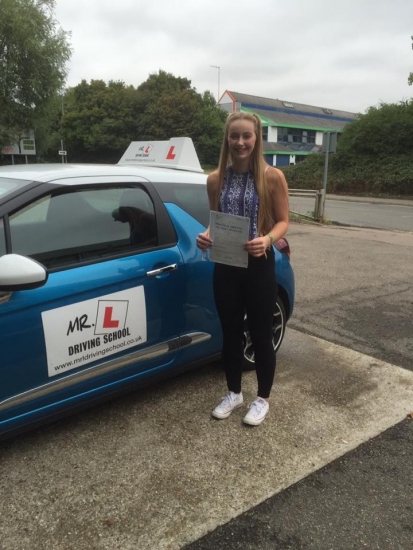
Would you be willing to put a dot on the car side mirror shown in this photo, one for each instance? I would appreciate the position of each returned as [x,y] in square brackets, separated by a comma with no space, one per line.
[21,273]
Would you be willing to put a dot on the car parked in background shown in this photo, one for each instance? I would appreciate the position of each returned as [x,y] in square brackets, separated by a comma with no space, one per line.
[102,287]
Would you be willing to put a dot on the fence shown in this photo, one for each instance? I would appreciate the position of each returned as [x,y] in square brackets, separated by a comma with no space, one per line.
[317,194]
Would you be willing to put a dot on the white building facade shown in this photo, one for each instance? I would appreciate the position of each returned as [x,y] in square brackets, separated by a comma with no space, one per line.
[291,131]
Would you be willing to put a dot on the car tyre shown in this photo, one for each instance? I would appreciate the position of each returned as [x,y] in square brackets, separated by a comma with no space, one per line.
[279,324]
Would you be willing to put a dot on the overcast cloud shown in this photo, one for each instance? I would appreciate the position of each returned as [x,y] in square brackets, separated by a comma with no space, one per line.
[342,55]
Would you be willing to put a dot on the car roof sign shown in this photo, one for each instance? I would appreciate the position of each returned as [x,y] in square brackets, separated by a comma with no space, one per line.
[176,153]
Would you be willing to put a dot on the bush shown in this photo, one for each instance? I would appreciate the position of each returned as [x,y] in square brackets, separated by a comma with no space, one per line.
[355,174]
[373,156]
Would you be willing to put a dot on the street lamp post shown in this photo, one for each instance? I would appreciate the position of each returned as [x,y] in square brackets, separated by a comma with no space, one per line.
[62,149]
[219,71]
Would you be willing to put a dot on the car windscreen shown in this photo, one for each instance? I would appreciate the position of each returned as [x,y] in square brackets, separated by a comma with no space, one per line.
[7,186]
[192,198]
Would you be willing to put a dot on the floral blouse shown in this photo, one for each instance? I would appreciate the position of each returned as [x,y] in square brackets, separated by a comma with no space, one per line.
[239,197]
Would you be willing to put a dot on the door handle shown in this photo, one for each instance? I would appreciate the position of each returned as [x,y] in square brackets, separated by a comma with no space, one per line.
[5,297]
[162,270]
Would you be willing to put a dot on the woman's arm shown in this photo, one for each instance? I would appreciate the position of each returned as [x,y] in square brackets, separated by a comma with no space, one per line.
[279,192]
[203,240]
[279,195]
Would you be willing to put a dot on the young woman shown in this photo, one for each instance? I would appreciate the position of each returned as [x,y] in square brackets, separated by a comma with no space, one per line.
[245,185]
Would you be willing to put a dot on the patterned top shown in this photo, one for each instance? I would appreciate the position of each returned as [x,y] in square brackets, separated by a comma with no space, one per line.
[240,198]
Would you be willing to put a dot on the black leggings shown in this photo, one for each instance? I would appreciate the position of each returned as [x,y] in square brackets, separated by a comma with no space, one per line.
[251,290]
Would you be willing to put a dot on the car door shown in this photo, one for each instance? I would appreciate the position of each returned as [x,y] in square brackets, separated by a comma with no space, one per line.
[111,309]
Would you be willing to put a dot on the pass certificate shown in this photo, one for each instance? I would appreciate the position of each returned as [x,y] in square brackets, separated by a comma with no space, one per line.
[229,233]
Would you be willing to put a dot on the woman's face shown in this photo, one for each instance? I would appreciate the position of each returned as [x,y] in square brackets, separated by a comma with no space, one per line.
[241,139]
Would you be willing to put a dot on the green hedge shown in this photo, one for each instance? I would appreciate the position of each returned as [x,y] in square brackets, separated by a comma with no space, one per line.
[379,175]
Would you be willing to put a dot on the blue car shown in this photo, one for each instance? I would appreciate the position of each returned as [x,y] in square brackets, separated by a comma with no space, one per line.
[102,288]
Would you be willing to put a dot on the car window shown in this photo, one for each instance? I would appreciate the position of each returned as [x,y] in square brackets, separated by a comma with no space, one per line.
[2,238]
[86,224]
[9,185]
[30,214]
[192,198]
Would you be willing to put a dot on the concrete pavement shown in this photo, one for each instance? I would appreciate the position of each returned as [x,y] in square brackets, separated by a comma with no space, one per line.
[154,470]
[362,500]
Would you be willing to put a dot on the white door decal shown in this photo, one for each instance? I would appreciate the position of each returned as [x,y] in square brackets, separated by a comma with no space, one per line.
[90,330]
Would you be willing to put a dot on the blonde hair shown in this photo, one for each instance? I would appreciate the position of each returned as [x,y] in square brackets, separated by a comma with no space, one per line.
[257,167]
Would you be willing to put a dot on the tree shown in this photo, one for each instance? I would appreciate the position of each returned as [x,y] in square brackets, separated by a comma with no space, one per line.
[373,156]
[383,130]
[99,121]
[410,79]
[33,54]
[208,138]
[170,107]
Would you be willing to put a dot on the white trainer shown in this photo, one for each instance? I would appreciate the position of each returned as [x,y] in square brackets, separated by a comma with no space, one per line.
[229,403]
[257,412]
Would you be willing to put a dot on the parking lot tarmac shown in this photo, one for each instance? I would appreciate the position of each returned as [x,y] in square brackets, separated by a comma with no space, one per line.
[354,287]
[154,470]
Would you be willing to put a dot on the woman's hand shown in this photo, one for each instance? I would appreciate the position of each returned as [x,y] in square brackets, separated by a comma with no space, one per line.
[258,246]
[203,241]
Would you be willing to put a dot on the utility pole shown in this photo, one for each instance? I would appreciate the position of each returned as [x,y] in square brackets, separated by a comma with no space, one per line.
[219,71]
[329,146]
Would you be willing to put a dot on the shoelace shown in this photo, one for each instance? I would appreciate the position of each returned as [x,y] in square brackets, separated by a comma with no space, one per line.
[226,400]
[256,407]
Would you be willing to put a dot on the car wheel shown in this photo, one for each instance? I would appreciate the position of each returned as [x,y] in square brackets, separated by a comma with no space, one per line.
[278,330]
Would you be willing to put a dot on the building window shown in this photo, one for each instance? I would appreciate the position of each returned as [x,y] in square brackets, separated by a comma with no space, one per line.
[295,135]
[265,133]
[300,158]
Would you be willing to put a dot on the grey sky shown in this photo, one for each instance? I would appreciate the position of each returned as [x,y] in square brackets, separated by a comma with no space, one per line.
[343,55]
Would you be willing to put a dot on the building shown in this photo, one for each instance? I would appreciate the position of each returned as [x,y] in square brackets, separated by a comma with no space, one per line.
[291,131]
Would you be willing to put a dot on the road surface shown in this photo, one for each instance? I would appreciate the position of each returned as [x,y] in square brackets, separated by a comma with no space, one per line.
[359,212]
